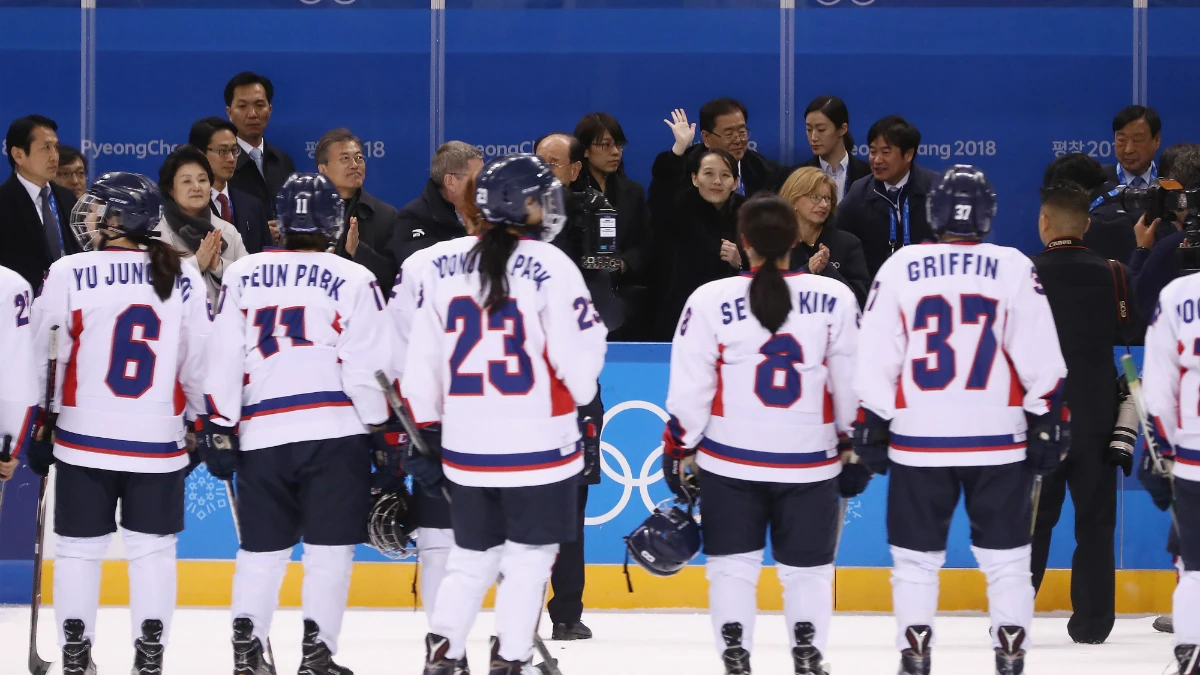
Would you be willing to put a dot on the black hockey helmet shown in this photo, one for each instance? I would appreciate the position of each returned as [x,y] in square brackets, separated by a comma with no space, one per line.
[390,525]
[118,204]
[666,542]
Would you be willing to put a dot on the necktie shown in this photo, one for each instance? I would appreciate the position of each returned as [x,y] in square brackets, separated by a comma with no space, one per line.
[894,195]
[741,187]
[256,155]
[226,214]
[50,225]
[1138,183]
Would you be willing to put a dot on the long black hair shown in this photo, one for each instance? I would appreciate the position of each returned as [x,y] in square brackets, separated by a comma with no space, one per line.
[835,109]
[166,263]
[767,223]
[496,245]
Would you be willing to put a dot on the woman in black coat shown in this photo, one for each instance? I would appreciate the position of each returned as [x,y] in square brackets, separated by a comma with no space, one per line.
[823,248]
[698,232]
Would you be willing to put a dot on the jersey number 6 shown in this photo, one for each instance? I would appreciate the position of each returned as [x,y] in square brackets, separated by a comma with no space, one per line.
[131,366]
[507,320]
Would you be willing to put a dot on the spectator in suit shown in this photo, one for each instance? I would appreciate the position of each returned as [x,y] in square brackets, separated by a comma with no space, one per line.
[34,211]
[603,143]
[1111,233]
[827,125]
[72,170]
[1154,262]
[699,230]
[1137,134]
[370,223]
[205,240]
[261,167]
[437,214]
[823,248]
[886,210]
[218,139]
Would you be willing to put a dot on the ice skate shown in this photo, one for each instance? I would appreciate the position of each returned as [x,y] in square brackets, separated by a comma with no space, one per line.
[916,659]
[1188,657]
[436,662]
[316,658]
[1010,657]
[500,666]
[77,652]
[736,658]
[806,657]
[148,649]
[248,651]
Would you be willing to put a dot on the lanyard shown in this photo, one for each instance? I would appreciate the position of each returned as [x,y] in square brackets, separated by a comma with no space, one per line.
[892,222]
[1124,178]
[1104,197]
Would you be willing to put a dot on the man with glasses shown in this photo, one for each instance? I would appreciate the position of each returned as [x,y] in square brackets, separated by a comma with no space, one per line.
[217,139]
[370,223]
[72,170]
[436,215]
[261,167]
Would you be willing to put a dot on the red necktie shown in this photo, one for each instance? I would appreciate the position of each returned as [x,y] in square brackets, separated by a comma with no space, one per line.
[226,214]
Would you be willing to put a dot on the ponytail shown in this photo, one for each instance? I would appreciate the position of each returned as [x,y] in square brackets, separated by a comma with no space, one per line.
[848,141]
[768,225]
[494,249]
[165,264]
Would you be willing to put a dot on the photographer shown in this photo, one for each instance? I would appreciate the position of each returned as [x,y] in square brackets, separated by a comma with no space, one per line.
[1090,298]
[1156,261]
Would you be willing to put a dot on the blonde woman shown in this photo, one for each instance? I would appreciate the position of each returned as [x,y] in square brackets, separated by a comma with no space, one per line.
[823,248]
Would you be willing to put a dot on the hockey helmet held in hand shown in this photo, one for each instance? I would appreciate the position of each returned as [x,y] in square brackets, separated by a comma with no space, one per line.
[391,524]
[666,542]
[504,185]
[117,204]
[962,204]
[308,203]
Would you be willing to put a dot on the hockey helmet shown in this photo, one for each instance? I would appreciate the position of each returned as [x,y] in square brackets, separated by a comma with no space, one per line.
[308,203]
[666,542]
[390,526]
[118,204]
[962,204]
[504,184]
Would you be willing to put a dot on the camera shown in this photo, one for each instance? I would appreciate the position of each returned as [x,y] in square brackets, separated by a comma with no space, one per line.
[597,223]
[1161,200]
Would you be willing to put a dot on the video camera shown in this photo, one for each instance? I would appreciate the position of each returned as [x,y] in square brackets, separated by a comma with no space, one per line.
[597,221]
[1163,199]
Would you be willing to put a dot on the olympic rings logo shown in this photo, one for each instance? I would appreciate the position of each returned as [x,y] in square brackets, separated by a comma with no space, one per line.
[860,3]
[650,472]
[340,2]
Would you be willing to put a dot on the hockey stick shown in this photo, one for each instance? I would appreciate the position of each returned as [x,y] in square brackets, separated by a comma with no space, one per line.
[36,665]
[5,456]
[1161,466]
[841,524]
[237,529]
[414,435]
[1037,500]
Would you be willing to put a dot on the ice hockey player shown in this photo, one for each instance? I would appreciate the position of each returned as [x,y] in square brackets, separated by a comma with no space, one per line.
[297,337]
[959,372]
[761,384]
[18,396]
[1171,380]
[132,320]
[504,346]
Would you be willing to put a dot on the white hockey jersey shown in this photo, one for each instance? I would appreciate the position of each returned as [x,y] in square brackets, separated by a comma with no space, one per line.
[958,343]
[759,406]
[406,297]
[297,338]
[129,364]
[1171,372]
[505,386]
[19,393]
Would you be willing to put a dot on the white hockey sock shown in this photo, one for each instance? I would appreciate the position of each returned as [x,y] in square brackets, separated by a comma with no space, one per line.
[77,582]
[326,589]
[520,596]
[914,590]
[1010,589]
[1187,608]
[151,579]
[807,596]
[433,548]
[469,574]
[256,582]
[733,594]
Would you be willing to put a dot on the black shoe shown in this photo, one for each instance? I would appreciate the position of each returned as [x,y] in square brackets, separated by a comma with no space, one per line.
[436,662]
[248,651]
[77,652]
[500,666]
[1164,624]
[571,631]
[148,649]
[316,659]
[805,657]
[461,667]
[917,658]
[1188,657]
[1010,657]
[736,658]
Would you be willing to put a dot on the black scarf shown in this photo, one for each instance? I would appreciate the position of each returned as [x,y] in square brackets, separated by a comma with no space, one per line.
[190,229]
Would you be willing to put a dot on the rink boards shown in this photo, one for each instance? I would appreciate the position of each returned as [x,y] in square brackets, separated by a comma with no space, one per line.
[634,386]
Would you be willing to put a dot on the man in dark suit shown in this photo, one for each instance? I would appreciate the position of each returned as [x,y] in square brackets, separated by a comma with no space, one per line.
[1137,134]
[35,213]
[434,216]
[886,210]
[370,223]
[261,167]
[217,139]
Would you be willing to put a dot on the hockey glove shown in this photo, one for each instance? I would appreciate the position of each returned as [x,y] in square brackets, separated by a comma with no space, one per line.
[41,447]
[679,468]
[426,470]
[589,441]
[870,441]
[1047,441]
[1157,484]
[387,453]
[218,447]
[854,476]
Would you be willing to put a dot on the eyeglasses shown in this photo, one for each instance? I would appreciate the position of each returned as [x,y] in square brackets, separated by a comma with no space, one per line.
[235,151]
[552,164]
[351,160]
[741,133]
[609,146]
[819,199]
[78,174]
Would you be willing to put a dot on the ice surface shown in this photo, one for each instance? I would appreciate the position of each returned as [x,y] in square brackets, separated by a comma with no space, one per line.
[390,642]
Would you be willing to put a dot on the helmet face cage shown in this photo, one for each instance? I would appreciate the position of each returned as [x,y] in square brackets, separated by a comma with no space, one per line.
[388,530]
[89,222]
[666,542]
[554,211]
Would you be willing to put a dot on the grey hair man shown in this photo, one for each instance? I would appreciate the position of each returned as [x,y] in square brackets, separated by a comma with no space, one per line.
[437,215]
